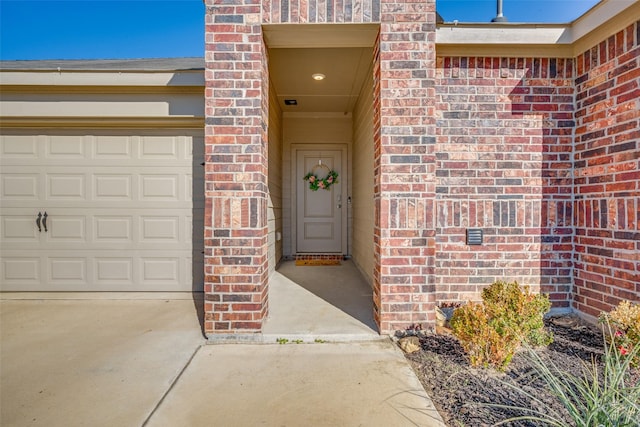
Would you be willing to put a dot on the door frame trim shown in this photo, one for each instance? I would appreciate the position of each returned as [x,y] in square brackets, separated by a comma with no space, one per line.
[344,148]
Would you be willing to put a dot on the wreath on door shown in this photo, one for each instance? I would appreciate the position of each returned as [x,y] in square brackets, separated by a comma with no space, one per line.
[315,182]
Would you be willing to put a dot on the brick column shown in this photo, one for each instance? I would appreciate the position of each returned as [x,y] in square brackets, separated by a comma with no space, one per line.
[405,166]
[236,252]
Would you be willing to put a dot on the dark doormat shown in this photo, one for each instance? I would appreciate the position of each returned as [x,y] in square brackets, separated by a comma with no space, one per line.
[305,262]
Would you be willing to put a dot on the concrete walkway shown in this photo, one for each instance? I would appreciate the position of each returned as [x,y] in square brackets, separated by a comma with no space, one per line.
[136,362]
[327,302]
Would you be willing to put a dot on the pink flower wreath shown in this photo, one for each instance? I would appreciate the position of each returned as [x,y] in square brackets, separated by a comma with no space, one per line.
[315,182]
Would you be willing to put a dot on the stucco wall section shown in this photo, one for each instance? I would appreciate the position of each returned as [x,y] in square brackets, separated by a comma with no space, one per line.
[607,173]
[86,103]
[504,135]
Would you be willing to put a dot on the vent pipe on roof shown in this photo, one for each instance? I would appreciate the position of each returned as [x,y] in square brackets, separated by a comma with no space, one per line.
[499,17]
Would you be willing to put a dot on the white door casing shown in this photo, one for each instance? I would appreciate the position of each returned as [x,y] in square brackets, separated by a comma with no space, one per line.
[119,207]
[320,215]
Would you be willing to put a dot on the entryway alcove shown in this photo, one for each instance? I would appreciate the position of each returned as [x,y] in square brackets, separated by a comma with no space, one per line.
[321,120]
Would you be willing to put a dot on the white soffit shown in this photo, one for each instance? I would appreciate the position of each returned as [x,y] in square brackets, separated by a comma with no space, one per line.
[320,35]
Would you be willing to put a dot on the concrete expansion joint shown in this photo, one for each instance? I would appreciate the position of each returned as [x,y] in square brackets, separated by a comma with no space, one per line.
[171,387]
[215,339]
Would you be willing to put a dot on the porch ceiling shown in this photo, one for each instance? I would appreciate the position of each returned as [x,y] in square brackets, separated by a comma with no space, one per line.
[342,52]
[345,69]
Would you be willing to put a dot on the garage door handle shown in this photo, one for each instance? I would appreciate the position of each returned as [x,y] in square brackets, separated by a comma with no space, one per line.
[44,221]
[38,222]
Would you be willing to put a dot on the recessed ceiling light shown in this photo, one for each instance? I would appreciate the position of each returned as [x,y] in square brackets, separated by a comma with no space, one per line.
[290,102]
[318,76]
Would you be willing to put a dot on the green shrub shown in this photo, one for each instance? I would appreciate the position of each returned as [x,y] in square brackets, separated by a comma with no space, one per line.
[483,343]
[520,310]
[508,316]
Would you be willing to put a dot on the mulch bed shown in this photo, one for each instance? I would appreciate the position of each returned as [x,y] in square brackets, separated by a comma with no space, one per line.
[458,390]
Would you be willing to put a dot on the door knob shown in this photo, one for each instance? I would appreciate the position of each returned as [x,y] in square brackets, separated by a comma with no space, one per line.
[38,222]
[44,221]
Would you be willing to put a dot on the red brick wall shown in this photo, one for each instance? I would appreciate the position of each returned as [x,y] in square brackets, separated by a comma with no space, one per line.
[404,166]
[377,297]
[236,149]
[460,142]
[607,173]
[504,144]
[236,97]
[320,11]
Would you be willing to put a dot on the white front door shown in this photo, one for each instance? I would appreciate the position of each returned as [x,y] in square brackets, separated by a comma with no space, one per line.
[319,213]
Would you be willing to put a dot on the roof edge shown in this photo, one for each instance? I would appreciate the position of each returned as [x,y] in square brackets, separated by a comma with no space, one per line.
[143,65]
[598,23]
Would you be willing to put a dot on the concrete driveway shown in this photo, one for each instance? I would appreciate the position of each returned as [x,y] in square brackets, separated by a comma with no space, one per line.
[91,362]
[136,362]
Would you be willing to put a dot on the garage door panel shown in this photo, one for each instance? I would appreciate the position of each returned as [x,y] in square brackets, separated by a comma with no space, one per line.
[119,212]
[19,147]
[72,270]
[21,271]
[159,187]
[67,228]
[153,147]
[65,147]
[18,229]
[111,271]
[142,185]
[113,186]
[112,150]
[163,269]
[188,186]
[19,186]
[160,228]
[65,186]
[67,270]
[110,229]
[112,147]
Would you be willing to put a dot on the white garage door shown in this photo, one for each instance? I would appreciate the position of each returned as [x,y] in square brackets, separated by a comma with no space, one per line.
[101,211]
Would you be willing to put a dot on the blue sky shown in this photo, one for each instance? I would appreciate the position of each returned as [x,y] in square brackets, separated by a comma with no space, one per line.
[99,29]
[550,11]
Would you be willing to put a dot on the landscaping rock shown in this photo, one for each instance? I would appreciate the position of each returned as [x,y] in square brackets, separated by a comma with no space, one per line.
[409,344]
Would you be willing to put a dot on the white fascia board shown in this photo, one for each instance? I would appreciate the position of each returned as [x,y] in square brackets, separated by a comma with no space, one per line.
[101,78]
[598,15]
[474,34]
[593,24]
